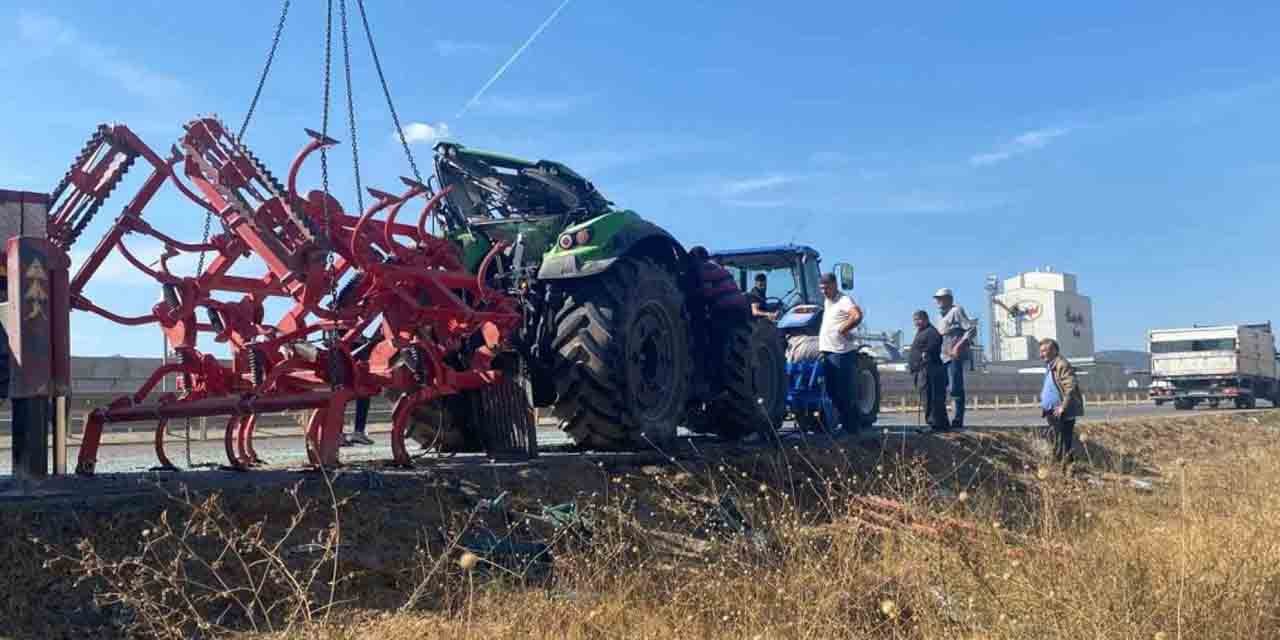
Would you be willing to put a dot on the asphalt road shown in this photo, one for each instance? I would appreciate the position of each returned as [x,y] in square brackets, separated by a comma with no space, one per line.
[289,451]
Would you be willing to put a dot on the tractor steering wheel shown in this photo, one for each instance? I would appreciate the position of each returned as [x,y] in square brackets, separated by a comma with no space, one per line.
[776,305]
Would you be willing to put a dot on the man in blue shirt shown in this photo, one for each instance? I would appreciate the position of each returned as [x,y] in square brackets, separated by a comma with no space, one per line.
[1061,401]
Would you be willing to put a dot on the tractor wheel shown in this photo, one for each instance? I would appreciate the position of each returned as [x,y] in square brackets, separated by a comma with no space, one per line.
[496,419]
[441,426]
[866,391]
[753,365]
[622,357]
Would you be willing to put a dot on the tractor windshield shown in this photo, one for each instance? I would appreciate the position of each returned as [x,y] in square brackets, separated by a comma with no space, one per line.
[791,276]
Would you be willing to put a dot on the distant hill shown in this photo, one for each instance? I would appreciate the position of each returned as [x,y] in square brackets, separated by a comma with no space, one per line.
[1130,360]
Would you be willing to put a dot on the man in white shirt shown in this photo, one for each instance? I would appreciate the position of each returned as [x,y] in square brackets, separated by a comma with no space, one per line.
[840,316]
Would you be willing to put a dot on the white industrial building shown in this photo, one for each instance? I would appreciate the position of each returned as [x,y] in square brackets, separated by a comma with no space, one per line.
[1036,305]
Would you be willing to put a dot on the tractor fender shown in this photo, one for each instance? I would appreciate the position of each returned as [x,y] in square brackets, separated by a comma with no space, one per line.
[612,236]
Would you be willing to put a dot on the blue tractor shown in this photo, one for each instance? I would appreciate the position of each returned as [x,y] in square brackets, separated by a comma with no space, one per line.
[794,270]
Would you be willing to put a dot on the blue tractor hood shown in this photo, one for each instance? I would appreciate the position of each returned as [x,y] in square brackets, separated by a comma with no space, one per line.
[804,318]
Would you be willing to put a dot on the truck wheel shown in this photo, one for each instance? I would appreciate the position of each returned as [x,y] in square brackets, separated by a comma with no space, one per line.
[1183,405]
[753,365]
[496,419]
[866,391]
[622,357]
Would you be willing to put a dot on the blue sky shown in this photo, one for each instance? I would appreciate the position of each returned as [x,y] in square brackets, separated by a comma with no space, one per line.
[1135,145]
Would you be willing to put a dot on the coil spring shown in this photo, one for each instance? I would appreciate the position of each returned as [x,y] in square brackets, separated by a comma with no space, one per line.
[337,372]
[257,362]
[215,321]
[413,358]
[171,295]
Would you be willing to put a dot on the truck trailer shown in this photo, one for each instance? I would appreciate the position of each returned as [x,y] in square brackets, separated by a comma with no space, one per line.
[1215,365]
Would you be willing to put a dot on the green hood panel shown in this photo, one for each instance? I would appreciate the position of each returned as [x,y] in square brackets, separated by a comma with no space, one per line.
[613,235]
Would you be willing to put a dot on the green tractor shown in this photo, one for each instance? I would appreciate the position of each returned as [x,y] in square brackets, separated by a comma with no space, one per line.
[626,335]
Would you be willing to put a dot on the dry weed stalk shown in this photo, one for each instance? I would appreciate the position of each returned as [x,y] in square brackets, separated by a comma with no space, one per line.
[199,571]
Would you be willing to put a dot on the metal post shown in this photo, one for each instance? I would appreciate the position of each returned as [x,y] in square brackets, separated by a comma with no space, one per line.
[61,427]
[31,437]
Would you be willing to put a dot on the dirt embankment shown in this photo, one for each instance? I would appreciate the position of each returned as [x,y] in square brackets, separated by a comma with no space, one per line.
[967,535]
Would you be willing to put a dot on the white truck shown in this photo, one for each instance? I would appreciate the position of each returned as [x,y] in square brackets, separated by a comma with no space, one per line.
[1214,365]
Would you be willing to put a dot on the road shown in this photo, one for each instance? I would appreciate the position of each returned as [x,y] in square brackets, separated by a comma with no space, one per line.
[289,451]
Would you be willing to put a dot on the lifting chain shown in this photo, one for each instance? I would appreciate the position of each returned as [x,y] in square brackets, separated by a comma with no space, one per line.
[336,379]
[351,110]
[248,116]
[386,92]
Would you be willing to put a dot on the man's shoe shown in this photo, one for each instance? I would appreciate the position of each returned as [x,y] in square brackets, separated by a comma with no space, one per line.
[359,438]
[345,441]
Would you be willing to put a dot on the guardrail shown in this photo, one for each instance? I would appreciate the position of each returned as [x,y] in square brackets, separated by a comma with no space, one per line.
[380,414]
[898,403]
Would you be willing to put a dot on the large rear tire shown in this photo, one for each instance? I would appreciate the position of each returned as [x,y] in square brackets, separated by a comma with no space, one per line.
[622,357]
[753,365]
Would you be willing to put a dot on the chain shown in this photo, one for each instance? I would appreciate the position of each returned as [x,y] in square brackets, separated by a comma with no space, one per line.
[248,116]
[324,153]
[386,92]
[351,109]
[266,69]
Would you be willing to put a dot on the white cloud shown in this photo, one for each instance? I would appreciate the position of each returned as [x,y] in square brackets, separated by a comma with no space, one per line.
[752,185]
[1021,144]
[48,35]
[423,133]
[450,48]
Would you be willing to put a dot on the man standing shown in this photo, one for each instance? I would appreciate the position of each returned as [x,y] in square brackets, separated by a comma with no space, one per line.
[926,359]
[958,332]
[840,316]
[1060,399]
[758,296]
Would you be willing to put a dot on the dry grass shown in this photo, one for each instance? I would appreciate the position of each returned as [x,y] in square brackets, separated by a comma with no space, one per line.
[987,545]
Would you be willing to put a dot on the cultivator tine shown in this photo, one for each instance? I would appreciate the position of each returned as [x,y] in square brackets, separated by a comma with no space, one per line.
[232,444]
[95,173]
[161,457]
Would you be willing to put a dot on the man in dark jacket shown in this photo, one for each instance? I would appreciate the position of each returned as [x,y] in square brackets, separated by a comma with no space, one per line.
[926,364]
[1061,400]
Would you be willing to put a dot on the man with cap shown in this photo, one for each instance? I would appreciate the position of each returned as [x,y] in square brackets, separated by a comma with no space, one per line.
[958,333]
[840,316]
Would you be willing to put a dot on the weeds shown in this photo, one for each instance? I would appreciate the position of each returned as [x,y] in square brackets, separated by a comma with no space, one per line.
[803,543]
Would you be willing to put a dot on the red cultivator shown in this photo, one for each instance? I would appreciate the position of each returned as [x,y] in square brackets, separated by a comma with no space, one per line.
[438,330]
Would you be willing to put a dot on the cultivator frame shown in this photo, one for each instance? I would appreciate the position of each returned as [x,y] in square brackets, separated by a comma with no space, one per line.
[440,329]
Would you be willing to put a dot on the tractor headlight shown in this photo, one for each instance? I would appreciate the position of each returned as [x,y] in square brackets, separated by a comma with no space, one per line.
[566,242]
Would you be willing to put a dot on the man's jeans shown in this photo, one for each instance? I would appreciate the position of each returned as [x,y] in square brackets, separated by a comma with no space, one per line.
[838,370]
[955,382]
